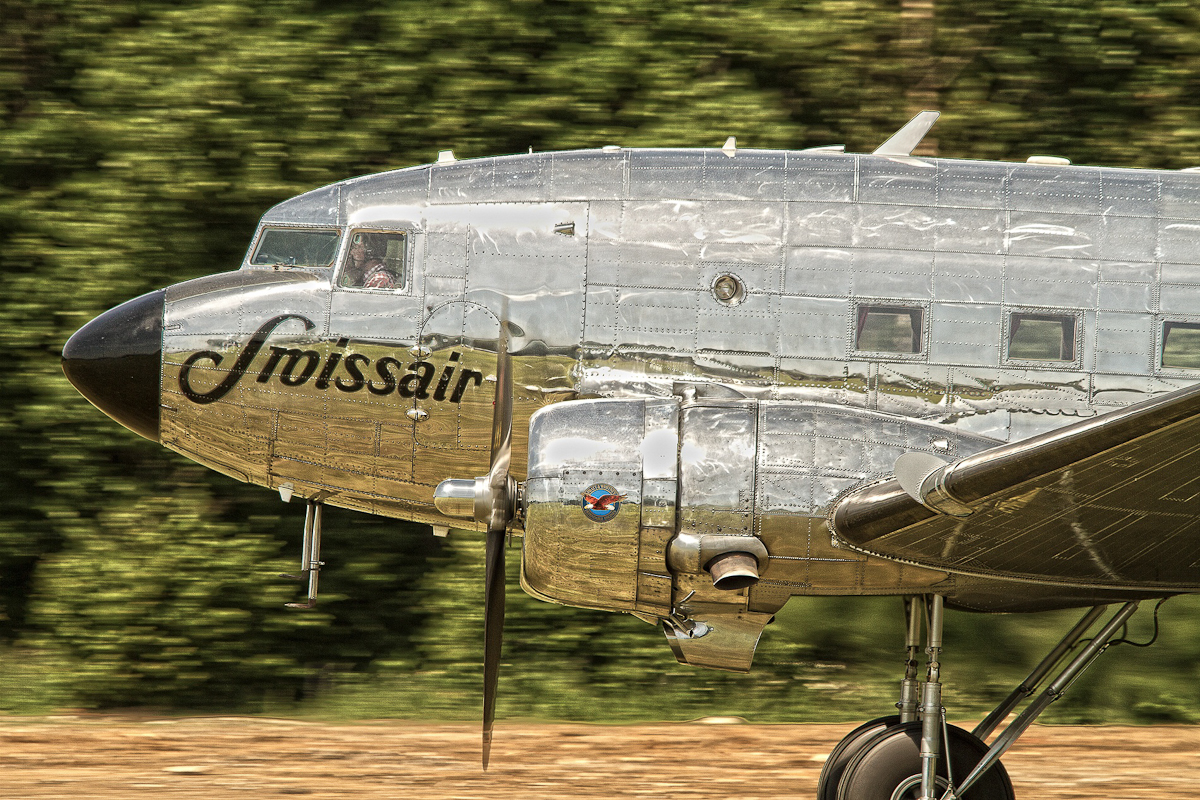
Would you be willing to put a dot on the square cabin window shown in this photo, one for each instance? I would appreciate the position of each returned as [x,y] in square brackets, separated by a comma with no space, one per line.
[889,329]
[375,260]
[1181,345]
[1041,337]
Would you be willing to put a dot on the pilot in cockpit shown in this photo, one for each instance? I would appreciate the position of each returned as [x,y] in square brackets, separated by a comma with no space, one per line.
[364,267]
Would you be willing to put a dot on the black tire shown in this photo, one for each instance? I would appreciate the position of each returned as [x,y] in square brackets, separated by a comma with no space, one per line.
[892,758]
[845,751]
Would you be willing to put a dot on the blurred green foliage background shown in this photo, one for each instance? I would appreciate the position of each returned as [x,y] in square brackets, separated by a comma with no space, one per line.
[141,140]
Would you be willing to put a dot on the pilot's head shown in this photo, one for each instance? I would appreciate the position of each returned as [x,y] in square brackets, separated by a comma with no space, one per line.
[360,248]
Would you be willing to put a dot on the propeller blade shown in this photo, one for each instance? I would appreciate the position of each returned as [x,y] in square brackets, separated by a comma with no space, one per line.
[501,432]
[493,629]
[502,491]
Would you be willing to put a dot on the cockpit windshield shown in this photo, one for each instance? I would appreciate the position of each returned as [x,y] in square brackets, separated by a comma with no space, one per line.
[296,247]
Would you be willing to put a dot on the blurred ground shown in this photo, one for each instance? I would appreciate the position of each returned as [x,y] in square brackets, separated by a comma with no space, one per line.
[227,757]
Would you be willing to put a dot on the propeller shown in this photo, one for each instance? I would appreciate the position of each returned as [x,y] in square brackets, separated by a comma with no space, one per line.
[502,495]
[491,500]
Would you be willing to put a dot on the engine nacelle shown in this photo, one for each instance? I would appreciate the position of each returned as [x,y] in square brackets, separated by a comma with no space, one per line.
[647,506]
[600,504]
[706,513]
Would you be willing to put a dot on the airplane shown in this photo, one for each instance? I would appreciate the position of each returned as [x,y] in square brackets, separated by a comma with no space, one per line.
[696,383]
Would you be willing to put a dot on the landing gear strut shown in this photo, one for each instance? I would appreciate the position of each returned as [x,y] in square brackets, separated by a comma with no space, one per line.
[310,554]
[916,755]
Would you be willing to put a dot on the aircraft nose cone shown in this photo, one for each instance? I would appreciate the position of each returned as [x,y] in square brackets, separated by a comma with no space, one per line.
[115,361]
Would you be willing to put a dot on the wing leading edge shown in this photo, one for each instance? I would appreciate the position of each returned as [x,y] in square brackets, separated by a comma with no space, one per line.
[1112,501]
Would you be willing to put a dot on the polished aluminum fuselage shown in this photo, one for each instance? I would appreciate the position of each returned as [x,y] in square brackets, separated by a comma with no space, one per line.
[604,263]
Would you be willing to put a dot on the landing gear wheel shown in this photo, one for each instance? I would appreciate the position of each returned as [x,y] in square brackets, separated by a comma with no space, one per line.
[888,767]
[845,751]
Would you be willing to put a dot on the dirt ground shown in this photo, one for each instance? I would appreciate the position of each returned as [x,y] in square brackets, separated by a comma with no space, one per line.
[226,757]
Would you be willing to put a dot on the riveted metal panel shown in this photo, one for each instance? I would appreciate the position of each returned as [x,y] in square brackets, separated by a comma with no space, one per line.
[1125,297]
[659,449]
[966,184]
[1179,299]
[646,317]
[964,333]
[825,178]
[818,271]
[522,178]
[654,591]
[1070,189]
[320,207]
[716,468]
[657,174]
[1129,238]
[1129,271]
[587,175]
[404,188]
[462,182]
[657,220]
[894,274]
[970,230]
[821,224]
[748,174]
[1121,341]
[1178,240]
[1050,282]
[658,503]
[1181,274]
[1054,235]
[895,227]
[812,327]
[742,222]
[749,326]
[898,181]
[1179,197]
[1130,193]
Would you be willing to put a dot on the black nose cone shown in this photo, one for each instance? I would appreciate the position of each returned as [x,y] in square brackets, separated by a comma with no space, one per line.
[115,361]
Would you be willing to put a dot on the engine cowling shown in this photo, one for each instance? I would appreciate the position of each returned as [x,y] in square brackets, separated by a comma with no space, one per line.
[647,506]
[600,504]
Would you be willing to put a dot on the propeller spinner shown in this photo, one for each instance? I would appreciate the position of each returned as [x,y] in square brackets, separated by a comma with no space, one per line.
[492,500]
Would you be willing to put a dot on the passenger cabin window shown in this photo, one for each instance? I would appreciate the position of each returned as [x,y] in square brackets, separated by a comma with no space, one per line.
[889,329]
[1181,345]
[296,247]
[1041,337]
[375,260]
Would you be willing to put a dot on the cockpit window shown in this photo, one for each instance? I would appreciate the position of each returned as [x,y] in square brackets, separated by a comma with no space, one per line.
[375,260]
[296,247]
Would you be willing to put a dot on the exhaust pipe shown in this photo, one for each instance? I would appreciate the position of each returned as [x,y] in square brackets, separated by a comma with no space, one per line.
[733,561]
[732,571]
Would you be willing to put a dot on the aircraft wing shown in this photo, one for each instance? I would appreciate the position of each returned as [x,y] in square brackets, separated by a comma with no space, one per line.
[1112,501]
